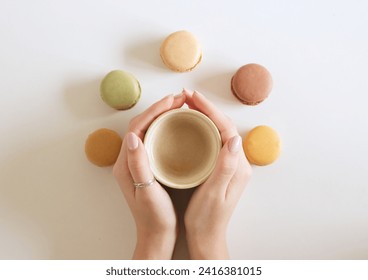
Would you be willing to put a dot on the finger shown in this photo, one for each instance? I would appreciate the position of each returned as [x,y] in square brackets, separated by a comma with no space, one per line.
[226,128]
[122,174]
[138,163]
[239,180]
[140,124]
[226,166]
[179,100]
[189,99]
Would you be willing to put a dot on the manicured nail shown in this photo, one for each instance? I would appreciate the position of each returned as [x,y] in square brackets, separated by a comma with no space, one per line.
[198,93]
[132,141]
[187,92]
[178,95]
[167,96]
[234,144]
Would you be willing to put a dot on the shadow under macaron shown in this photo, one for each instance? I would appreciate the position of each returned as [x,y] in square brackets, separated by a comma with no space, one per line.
[84,100]
[218,87]
[145,54]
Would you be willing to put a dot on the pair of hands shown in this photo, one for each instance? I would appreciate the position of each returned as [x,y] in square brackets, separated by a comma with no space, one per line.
[212,203]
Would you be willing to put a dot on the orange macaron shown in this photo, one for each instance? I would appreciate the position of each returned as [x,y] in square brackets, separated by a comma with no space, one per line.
[102,147]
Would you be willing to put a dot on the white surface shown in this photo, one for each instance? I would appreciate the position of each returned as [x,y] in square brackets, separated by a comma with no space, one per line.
[311,204]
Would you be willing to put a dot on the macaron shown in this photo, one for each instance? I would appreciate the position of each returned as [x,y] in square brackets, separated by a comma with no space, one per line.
[181,51]
[120,90]
[262,145]
[102,147]
[251,84]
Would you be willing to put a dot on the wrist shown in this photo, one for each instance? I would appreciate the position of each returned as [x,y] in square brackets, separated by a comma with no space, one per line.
[207,247]
[155,245]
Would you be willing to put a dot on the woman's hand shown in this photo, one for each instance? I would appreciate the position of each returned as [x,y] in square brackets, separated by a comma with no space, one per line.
[212,204]
[151,206]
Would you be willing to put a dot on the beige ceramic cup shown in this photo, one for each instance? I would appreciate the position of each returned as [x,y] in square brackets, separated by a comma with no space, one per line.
[182,147]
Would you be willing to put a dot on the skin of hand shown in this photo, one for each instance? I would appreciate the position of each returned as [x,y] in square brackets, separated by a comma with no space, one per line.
[152,209]
[212,203]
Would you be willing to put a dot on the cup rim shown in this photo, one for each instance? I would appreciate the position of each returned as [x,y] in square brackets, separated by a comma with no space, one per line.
[148,139]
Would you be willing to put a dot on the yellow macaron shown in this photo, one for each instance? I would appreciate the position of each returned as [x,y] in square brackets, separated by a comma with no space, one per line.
[262,145]
[181,51]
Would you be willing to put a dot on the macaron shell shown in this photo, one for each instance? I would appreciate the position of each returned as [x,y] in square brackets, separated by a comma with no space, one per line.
[251,84]
[181,51]
[120,90]
[262,145]
[102,147]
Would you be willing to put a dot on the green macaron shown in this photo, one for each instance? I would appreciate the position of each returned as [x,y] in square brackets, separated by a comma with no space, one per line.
[120,90]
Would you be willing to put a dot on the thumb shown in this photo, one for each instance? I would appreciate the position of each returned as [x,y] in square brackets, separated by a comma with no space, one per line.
[226,165]
[138,163]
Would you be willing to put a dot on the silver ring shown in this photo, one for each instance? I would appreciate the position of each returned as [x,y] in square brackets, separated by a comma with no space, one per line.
[145,184]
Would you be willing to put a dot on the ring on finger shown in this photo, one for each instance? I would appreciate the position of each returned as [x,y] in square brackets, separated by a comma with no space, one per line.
[144,184]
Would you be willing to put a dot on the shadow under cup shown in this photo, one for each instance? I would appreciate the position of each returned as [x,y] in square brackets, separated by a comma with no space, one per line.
[182,147]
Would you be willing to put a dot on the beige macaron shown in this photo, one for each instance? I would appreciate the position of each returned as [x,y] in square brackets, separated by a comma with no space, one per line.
[181,51]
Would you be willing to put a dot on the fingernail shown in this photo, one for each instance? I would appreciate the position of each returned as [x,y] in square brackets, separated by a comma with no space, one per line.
[167,96]
[235,144]
[178,95]
[196,92]
[132,141]
[187,92]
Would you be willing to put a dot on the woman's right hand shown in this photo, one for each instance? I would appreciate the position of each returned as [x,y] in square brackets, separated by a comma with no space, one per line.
[151,206]
[212,204]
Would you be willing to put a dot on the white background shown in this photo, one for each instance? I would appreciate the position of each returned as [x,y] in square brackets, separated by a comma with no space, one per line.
[311,204]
